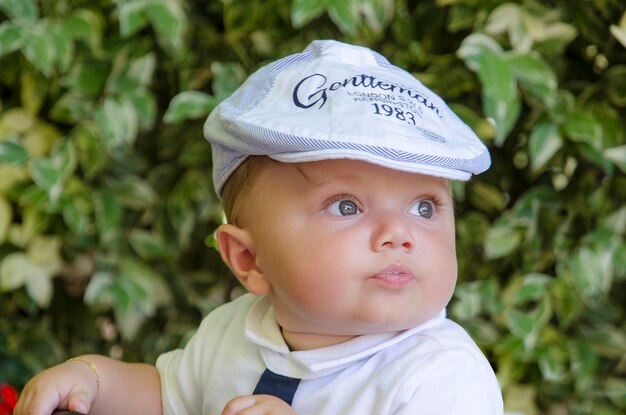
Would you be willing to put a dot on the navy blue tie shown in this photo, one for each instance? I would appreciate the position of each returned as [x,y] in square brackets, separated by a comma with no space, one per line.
[282,387]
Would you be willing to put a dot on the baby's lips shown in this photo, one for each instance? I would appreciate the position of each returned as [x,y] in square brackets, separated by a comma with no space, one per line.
[395,269]
[394,276]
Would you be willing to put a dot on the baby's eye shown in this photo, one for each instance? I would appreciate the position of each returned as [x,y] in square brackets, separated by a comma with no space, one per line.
[344,207]
[423,208]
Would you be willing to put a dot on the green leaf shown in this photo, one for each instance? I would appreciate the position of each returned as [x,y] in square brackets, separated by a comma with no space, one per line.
[616,84]
[617,155]
[133,17]
[565,104]
[526,325]
[39,49]
[584,364]
[551,365]
[467,303]
[145,104]
[619,33]
[616,391]
[97,291]
[71,108]
[35,196]
[149,281]
[192,189]
[133,295]
[345,14]
[551,35]
[521,324]
[91,149]
[141,69]
[475,46]
[34,91]
[18,269]
[11,38]
[486,197]
[63,47]
[51,173]
[510,18]
[501,101]
[566,302]
[478,124]
[583,127]
[226,78]
[133,192]
[616,221]
[118,122]
[595,156]
[544,142]
[377,13]
[85,25]
[16,120]
[12,152]
[606,340]
[20,9]
[592,271]
[534,287]
[34,221]
[108,218]
[471,228]
[303,11]
[535,75]
[86,79]
[460,18]
[128,296]
[170,23]
[47,176]
[40,289]
[501,241]
[502,18]
[147,244]
[6,217]
[77,220]
[189,104]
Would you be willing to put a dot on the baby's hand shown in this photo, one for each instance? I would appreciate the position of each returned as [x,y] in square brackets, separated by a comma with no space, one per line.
[70,385]
[257,405]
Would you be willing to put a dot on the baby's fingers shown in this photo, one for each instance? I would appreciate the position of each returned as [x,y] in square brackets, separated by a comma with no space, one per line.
[41,398]
[257,405]
[235,406]
[78,401]
[33,403]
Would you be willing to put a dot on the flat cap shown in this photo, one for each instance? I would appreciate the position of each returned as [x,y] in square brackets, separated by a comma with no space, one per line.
[334,100]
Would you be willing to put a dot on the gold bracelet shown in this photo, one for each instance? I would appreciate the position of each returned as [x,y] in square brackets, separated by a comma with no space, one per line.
[93,368]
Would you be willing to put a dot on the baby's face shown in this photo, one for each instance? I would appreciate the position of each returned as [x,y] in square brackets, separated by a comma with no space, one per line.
[352,248]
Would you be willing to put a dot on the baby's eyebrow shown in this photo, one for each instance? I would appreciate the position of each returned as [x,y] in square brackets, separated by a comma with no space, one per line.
[323,179]
[319,180]
[445,184]
[304,175]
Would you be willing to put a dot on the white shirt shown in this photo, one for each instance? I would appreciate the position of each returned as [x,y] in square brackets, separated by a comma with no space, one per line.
[431,369]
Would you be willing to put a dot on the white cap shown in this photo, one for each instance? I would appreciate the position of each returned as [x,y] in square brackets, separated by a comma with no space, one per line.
[335,100]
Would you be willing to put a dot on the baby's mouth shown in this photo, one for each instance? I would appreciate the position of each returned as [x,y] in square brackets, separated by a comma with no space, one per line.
[394,276]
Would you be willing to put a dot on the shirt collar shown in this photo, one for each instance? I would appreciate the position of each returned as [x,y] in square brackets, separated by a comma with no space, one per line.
[262,329]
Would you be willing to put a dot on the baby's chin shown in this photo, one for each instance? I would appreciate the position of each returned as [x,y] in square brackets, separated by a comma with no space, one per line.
[361,329]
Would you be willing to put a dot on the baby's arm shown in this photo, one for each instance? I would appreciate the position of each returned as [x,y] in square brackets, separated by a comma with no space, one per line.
[258,405]
[119,388]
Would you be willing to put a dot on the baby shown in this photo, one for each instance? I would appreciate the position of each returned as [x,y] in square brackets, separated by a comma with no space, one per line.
[334,168]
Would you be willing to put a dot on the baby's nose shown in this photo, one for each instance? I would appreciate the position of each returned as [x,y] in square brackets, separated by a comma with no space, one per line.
[392,233]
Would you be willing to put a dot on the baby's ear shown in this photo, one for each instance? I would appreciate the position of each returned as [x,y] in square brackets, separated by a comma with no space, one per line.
[237,250]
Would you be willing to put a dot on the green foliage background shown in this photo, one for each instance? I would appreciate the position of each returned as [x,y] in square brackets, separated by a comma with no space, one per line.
[106,202]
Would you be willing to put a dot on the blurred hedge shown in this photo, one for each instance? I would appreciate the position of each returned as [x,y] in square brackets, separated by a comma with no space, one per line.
[107,209]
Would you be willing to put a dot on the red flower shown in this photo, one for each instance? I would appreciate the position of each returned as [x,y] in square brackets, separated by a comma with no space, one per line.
[8,399]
